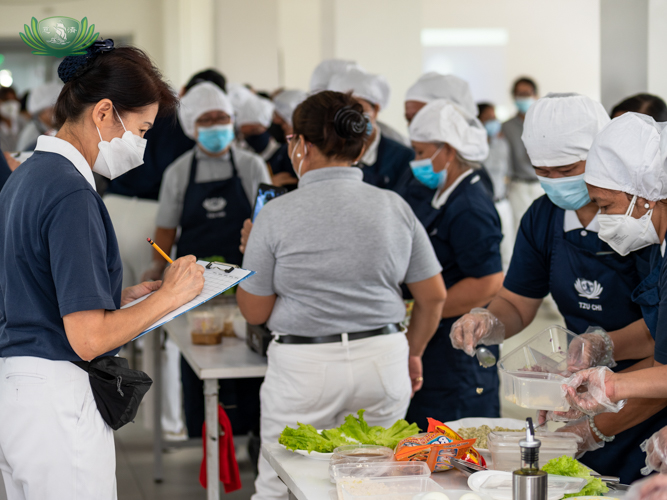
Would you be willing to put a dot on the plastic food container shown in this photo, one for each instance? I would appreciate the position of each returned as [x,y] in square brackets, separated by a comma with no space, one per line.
[206,325]
[531,375]
[359,454]
[379,469]
[506,454]
[385,488]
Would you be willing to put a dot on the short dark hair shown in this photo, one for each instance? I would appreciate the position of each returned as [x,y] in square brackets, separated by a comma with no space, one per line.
[334,122]
[527,81]
[483,106]
[5,91]
[208,75]
[647,104]
[125,75]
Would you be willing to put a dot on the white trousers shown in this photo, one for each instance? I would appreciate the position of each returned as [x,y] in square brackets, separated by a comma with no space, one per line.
[521,196]
[133,221]
[504,209]
[54,444]
[321,384]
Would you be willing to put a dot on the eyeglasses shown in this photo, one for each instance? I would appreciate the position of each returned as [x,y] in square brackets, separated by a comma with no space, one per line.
[289,137]
[209,122]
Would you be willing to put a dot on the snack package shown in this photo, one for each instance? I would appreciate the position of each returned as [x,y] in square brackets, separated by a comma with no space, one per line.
[436,447]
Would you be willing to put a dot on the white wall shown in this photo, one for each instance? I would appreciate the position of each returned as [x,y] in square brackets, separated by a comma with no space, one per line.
[555,42]
[139,20]
[657,41]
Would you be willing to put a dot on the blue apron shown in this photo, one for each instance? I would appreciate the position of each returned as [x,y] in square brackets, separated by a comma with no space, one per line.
[455,385]
[211,222]
[647,293]
[594,289]
[213,215]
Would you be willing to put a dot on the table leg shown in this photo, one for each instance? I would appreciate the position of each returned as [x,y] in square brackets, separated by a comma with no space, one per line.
[212,436]
[158,470]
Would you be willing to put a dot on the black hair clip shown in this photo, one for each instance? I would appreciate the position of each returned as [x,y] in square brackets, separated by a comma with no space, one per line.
[75,66]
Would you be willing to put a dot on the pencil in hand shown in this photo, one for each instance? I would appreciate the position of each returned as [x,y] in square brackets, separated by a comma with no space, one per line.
[159,250]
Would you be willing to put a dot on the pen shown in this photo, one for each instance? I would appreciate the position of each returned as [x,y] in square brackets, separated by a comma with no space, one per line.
[160,251]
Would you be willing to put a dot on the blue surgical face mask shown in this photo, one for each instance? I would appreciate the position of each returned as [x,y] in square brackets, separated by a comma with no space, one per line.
[523,103]
[216,138]
[493,127]
[568,193]
[369,124]
[424,173]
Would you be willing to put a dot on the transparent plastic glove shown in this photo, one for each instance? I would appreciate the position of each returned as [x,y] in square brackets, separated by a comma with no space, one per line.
[544,416]
[593,400]
[650,488]
[479,326]
[582,429]
[592,348]
[656,452]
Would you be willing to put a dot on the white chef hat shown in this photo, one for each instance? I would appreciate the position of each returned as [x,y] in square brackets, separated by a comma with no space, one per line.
[372,88]
[255,109]
[200,99]
[324,71]
[42,97]
[445,121]
[432,86]
[629,155]
[559,129]
[287,101]
[238,94]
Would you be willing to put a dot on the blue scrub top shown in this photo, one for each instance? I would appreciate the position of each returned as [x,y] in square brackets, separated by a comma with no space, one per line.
[531,273]
[661,331]
[58,255]
[4,170]
[391,165]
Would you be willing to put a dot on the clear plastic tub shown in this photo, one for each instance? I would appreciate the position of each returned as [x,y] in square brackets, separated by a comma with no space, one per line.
[207,324]
[531,375]
[385,488]
[379,469]
[359,454]
[506,453]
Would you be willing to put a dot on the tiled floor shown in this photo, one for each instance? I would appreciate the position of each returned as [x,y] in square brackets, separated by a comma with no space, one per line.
[134,451]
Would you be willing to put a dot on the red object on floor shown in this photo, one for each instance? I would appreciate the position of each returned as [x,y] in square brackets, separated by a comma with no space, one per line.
[229,467]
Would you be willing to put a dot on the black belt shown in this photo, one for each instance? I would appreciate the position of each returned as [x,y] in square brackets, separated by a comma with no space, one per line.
[338,337]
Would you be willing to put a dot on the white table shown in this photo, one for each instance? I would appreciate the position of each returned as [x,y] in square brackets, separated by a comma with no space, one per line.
[229,360]
[308,479]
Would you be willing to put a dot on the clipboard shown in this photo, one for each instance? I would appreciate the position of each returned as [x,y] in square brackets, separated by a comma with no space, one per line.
[218,278]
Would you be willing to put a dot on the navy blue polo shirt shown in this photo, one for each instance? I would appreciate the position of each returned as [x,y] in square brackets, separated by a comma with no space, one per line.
[58,252]
[4,170]
[661,334]
[464,231]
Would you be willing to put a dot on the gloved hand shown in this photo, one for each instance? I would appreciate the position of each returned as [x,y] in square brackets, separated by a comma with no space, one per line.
[479,326]
[594,399]
[544,416]
[650,488]
[582,429]
[656,452]
[592,348]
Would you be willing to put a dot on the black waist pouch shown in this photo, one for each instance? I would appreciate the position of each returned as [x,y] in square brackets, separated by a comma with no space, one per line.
[117,389]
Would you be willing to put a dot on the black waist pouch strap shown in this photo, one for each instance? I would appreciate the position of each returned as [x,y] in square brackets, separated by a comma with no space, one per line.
[117,389]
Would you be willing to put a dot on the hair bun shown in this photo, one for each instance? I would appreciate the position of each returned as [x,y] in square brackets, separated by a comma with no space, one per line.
[73,66]
[349,123]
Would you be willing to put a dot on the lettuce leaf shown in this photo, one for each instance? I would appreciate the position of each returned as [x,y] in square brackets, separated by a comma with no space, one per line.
[568,466]
[354,430]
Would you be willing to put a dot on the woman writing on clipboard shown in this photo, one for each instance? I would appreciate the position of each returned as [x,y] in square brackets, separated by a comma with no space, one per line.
[61,273]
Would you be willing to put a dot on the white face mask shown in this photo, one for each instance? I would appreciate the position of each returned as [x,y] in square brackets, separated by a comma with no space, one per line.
[305,151]
[10,109]
[626,234]
[120,155]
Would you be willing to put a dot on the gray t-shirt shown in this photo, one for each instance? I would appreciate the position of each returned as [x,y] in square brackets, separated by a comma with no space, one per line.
[497,166]
[335,252]
[520,166]
[251,169]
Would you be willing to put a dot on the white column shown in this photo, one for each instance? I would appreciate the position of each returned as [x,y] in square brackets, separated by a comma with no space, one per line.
[657,41]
